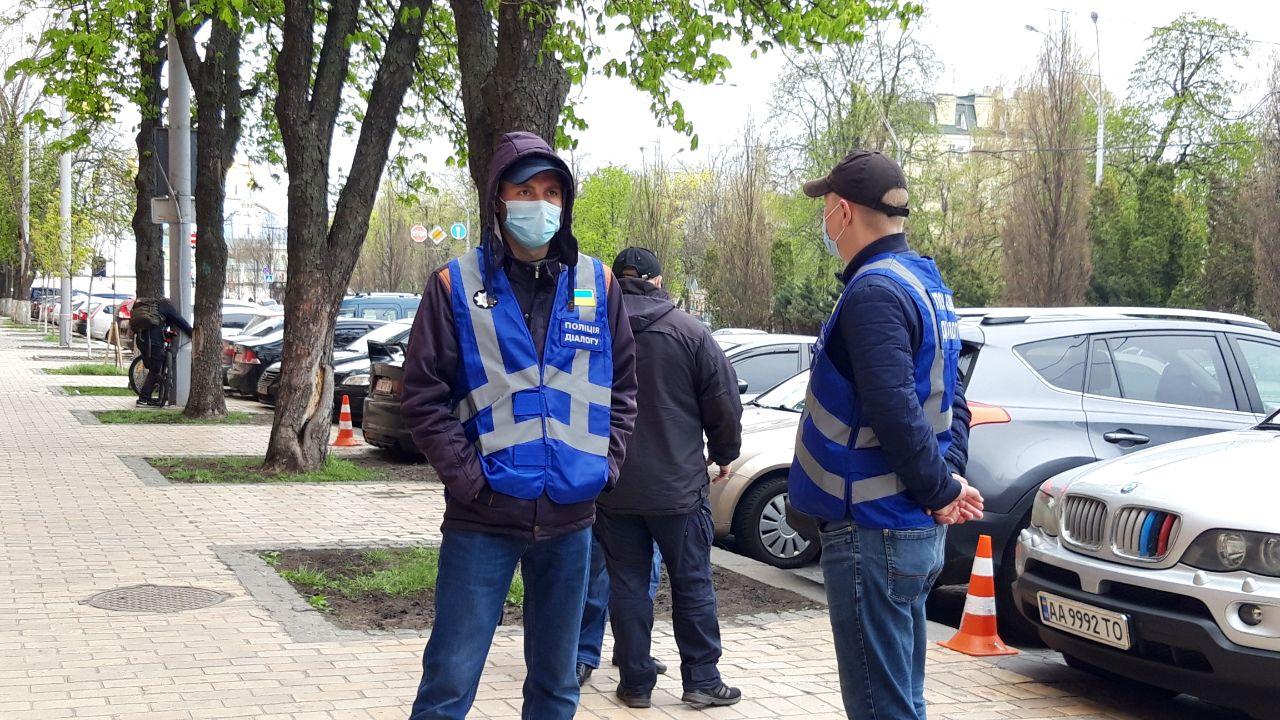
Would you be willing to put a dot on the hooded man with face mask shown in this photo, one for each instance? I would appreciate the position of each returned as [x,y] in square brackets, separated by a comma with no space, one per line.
[520,388]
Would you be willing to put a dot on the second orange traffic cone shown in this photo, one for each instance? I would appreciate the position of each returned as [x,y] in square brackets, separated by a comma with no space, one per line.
[346,433]
[978,635]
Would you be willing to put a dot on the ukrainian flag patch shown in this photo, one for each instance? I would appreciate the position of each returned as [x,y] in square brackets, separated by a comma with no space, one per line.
[584,297]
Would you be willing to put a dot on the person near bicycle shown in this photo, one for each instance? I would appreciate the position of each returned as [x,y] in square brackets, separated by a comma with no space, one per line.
[150,321]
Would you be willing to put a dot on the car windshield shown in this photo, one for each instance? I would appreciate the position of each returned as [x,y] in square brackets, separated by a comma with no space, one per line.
[787,395]
[382,333]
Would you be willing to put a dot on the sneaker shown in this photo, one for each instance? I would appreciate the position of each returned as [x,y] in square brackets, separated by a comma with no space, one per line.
[147,402]
[584,673]
[716,696]
[636,699]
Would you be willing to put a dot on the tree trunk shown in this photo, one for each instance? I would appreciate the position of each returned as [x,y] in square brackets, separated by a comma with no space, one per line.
[508,83]
[216,83]
[322,254]
[148,259]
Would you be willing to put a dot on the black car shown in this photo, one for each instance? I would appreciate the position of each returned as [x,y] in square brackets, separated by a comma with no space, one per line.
[252,357]
[383,427]
[351,367]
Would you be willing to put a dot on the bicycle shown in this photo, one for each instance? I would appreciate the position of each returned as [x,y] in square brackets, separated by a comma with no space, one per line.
[138,371]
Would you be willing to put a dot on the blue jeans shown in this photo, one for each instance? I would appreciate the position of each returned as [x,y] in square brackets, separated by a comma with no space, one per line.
[475,573]
[877,582]
[685,541]
[596,610]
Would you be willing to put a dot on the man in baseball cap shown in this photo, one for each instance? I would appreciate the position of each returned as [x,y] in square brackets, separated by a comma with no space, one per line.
[882,443]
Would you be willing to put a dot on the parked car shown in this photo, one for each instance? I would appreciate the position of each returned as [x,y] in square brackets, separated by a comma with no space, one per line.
[761,361]
[1051,390]
[1163,567]
[254,355]
[93,306]
[351,367]
[103,315]
[259,327]
[237,315]
[39,297]
[380,306]
[382,425]
[737,331]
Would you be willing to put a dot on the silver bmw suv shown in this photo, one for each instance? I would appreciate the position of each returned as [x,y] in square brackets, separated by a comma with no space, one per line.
[1053,389]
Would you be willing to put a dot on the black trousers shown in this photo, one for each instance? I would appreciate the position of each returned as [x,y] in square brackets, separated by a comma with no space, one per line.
[685,543]
[154,359]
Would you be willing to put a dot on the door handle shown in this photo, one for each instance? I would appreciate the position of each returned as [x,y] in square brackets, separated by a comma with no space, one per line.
[1122,436]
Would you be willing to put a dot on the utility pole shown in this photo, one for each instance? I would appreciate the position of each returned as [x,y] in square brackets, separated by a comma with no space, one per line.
[181,265]
[1102,109]
[26,198]
[64,196]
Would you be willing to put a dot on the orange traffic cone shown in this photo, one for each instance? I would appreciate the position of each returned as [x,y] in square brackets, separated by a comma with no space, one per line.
[978,634]
[346,433]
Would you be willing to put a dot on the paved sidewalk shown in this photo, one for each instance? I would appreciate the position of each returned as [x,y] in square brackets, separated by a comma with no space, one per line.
[75,520]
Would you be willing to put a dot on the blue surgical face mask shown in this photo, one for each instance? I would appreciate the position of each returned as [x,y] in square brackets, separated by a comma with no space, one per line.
[827,242]
[532,223]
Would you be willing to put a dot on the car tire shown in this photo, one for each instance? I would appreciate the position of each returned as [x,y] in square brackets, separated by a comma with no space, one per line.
[137,374]
[1014,627]
[761,530]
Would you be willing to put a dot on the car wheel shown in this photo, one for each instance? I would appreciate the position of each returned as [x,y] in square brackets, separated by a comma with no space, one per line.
[1014,627]
[137,374]
[761,529]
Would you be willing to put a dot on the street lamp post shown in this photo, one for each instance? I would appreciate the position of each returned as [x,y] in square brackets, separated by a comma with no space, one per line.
[1099,100]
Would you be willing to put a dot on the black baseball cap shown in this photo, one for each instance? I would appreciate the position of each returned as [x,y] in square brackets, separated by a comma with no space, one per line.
[523,169]
[863,177]
[642,259]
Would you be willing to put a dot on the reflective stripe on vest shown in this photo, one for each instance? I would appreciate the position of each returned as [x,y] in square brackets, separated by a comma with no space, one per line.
[837,457]
[499,390]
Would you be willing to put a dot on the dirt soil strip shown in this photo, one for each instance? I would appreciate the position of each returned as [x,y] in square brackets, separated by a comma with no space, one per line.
[735,595]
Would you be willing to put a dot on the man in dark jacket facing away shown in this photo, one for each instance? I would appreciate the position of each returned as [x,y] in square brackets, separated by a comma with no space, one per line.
[686,388]
[149,320]
[520,389]
[881,445]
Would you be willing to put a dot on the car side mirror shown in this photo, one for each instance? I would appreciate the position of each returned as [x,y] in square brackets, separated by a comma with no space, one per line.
[742,387]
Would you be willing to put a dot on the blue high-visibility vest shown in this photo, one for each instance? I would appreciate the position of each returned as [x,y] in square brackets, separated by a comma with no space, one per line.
[538,426]
[840,471]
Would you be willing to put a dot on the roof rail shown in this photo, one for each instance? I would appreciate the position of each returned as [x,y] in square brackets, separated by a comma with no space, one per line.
[1002,316]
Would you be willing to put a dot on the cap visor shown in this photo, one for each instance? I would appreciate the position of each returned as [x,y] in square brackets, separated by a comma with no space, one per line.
[817,188]
[521,172]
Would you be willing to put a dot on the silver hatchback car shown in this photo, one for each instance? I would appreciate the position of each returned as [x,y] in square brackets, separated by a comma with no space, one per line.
[1050,390]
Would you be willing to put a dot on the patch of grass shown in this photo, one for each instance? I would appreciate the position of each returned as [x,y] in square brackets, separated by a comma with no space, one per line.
[387,572]
[173,416]
[320,603]
[97,391]
[271,557]
[51,338]
[241,469]
[309,576]
[99,369]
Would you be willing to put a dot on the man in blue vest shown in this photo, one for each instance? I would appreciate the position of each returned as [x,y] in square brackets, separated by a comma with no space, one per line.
[882,443]
[519,387]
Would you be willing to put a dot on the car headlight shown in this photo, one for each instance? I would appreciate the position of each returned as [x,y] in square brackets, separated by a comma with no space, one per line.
[1232,550]
[1044,512]
[361,380]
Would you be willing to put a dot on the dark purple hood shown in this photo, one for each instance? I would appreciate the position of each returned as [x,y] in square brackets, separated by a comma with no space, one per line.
[512,148]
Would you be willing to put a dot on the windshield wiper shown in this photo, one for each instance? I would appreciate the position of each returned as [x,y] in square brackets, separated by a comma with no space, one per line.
[1268,426]
[784,408]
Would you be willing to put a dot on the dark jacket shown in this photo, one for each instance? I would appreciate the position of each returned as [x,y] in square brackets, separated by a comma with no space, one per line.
[687,388]
[148,320]
[431,366]
[872,344]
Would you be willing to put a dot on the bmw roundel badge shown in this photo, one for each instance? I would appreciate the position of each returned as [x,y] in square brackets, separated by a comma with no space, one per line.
[1128,488]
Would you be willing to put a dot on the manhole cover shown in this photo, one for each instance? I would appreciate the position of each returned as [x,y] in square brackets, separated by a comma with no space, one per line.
[156,599]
